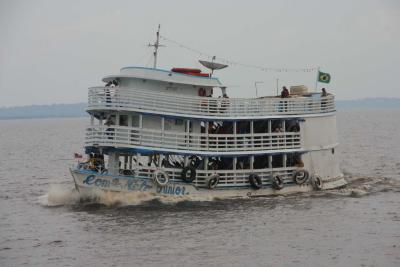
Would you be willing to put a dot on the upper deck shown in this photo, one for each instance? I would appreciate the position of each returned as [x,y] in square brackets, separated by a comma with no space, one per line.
[169,93]
[188,106]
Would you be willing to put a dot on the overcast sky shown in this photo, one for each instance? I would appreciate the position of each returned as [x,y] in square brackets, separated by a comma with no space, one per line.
[52,51]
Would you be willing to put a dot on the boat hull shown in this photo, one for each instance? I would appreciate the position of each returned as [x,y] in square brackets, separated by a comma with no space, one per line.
[88,182]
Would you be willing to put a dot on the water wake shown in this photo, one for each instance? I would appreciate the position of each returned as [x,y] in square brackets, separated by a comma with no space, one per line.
[59,196]
[358,186]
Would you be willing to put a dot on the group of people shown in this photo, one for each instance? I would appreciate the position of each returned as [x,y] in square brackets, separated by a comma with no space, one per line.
[285,92]
[112,83]
[95,162]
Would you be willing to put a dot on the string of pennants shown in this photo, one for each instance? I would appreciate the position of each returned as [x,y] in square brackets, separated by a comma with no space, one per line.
[236,63]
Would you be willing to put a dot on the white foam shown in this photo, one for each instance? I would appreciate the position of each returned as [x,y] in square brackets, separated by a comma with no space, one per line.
[60,196]
[109,198]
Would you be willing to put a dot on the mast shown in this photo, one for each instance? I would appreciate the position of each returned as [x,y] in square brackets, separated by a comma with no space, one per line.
[156,45]
[316,81]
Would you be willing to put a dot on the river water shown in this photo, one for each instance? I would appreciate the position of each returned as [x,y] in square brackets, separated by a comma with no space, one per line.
[43,221]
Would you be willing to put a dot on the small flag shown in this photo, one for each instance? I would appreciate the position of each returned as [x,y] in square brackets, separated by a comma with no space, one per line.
[324,77]
[78,156]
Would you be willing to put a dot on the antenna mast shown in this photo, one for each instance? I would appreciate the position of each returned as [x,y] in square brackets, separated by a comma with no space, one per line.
[156,45]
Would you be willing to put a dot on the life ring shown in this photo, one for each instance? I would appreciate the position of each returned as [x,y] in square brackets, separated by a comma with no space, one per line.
[202,91]
[212,181]
[277,182]
[198,74]
[186,70]
[161,178]
[255,181]
[317,182]
[192,175]
[300,176]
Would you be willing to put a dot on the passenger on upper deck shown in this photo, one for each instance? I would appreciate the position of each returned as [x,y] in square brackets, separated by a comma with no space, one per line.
[112,83]
[212,103]
[324,102]
[211,93]
[284,92]
[224,103]
[324,93]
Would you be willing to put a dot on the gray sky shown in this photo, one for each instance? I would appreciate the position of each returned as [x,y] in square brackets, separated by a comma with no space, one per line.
[52,51]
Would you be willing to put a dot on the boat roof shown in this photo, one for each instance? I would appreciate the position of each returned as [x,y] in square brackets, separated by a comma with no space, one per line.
[164,76]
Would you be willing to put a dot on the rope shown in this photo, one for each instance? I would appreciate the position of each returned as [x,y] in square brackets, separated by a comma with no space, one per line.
[237,63]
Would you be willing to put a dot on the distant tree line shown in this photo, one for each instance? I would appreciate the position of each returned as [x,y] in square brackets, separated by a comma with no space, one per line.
[44,111]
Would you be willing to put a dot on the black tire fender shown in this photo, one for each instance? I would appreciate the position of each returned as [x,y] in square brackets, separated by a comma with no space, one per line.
[300,176]
[184,174]
[212,181]
[160,178]
[317,182]
[277,182]
[255,181]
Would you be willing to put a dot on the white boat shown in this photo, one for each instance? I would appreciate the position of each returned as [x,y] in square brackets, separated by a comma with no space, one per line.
[167,132]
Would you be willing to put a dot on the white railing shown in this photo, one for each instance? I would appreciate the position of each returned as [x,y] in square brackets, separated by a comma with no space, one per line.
[121,136]
[227,178]
[106,98]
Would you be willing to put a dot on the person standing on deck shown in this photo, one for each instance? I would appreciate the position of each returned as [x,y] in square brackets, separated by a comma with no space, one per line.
[324,93]
[323,102]
[284,92]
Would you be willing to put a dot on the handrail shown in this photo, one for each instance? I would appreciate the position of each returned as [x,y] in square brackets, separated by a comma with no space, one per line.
[108,98]
[227,178]
[124,136]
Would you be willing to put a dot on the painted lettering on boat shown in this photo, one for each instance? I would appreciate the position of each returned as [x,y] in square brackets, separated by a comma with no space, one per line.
[91,180]
[128,184]
[138,185]
[172,190]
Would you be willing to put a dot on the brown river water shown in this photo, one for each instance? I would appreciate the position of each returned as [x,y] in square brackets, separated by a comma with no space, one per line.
[44,222]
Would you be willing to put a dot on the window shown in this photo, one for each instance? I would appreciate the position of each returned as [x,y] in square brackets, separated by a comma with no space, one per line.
[292,126]
[123,120]
[261,126]
[277,161]
[261,162]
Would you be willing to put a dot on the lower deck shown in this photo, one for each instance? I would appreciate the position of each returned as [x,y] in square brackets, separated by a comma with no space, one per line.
[87,181]
[231,171]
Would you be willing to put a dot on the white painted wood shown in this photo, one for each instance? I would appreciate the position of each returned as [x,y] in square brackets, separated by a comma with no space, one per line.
[145,101]
[164,76]
[131,137]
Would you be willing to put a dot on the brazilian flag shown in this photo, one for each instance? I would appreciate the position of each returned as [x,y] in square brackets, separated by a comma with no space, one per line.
[324,77]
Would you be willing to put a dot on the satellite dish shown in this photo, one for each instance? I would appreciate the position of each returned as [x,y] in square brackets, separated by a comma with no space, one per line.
[212,65]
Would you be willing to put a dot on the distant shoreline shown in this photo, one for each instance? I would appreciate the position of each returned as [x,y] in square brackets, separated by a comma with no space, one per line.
[43,117]
[44,111]
[79,109]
